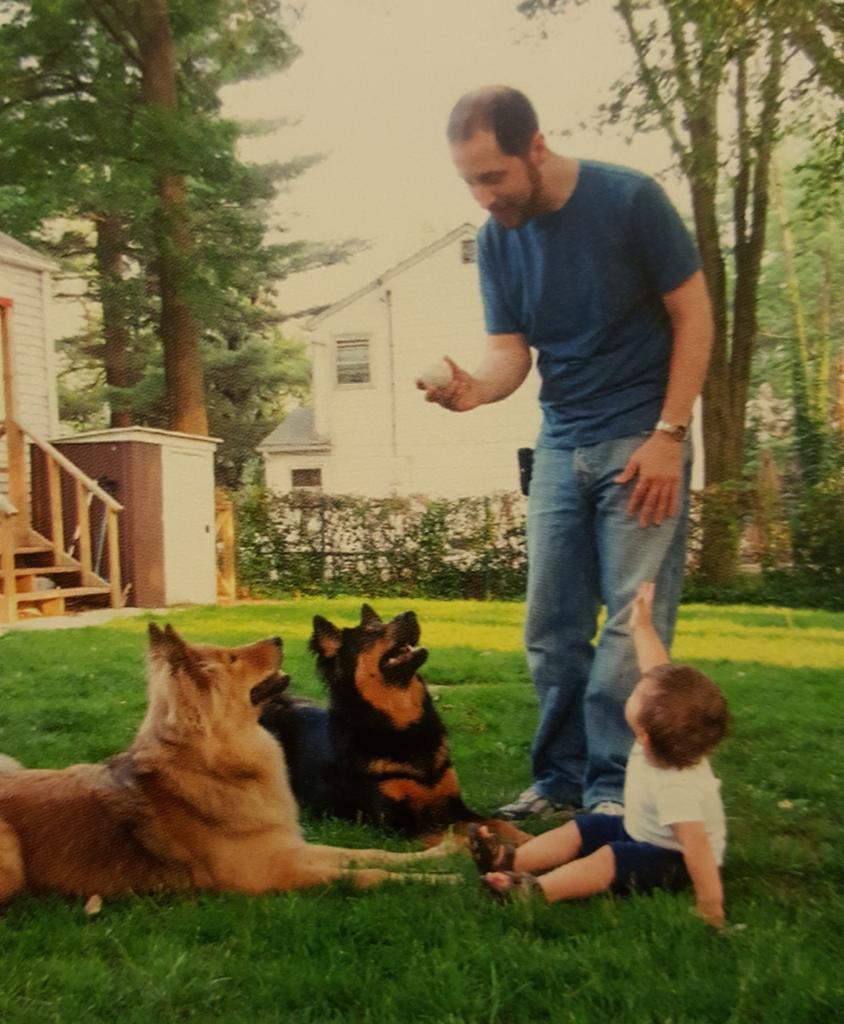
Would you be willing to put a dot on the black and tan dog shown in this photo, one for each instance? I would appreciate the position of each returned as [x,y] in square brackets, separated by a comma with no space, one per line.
[380,753]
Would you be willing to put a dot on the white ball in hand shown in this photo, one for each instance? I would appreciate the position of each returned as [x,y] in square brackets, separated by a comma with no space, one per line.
[437,375]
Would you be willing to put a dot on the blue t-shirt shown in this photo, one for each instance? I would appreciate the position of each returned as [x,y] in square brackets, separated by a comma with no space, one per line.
[584,284]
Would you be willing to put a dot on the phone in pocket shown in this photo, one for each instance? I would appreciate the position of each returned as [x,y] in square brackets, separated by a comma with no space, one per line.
[525,456]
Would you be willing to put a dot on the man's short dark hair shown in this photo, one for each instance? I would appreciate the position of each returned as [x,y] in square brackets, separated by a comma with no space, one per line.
[685,714]
[505,112]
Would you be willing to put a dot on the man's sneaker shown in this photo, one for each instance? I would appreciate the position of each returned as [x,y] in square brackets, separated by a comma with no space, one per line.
[608,807]
[531,804]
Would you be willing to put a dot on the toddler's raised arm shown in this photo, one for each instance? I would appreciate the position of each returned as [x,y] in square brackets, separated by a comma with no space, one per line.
[649,648]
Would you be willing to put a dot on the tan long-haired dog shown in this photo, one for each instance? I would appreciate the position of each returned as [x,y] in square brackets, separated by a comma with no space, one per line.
[199,800]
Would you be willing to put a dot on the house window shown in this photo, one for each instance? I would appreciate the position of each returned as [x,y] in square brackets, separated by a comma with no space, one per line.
[353,361]
[306,478]
[468,252]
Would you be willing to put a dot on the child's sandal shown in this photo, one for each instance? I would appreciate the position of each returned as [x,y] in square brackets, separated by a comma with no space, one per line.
[523,885]
[488,852]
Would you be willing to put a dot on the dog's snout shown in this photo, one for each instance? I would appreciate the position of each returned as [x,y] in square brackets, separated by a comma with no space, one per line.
[277,641]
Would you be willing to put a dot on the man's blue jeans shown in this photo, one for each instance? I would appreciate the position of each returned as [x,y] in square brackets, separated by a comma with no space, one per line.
[585,551]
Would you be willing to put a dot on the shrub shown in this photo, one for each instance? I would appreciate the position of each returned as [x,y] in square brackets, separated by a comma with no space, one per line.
[331,544]
[475,547]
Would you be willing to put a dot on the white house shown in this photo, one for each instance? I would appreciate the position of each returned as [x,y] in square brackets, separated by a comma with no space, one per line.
[370,431]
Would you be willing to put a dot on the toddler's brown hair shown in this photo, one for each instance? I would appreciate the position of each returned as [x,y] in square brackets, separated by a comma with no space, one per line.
[685,714]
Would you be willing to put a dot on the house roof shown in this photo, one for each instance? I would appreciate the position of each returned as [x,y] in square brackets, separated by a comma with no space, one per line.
[466,230]
[13,251]
[295,433]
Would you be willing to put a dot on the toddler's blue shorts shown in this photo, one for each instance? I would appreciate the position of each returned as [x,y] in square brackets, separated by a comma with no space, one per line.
[639,867]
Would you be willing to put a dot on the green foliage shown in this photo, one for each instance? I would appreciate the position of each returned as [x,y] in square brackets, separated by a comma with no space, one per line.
[818,530]
[471,547]
[809,519]
[801,321]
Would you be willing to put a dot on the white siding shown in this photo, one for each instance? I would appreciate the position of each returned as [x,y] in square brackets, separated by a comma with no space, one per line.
[35,382]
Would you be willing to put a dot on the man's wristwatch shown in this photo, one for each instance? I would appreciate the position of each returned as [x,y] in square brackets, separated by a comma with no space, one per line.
[676,430]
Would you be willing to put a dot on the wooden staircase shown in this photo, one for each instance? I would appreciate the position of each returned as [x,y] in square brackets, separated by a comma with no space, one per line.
[40,573]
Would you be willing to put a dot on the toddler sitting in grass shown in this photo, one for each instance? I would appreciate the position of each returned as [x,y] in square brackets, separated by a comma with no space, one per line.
[673,831]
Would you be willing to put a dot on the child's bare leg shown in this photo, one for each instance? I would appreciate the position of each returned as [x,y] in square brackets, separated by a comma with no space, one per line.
[550,850]
[573,881]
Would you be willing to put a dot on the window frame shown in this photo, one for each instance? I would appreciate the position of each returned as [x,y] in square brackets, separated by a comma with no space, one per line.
[347,340]
[468,251]
[305,487]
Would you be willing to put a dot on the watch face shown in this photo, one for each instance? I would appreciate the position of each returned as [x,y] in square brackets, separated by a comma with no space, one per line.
[678,432]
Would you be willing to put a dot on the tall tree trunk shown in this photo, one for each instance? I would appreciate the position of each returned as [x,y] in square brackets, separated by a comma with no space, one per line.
[809,428]
[727,385]
[823,355]
[110,251]
[179,326]
[838,396]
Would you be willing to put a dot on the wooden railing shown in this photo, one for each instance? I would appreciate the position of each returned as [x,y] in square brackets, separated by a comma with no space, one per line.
[8,515]
[86,490]
[17,534]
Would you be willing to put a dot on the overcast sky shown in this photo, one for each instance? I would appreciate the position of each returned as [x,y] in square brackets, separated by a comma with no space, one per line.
[373,90]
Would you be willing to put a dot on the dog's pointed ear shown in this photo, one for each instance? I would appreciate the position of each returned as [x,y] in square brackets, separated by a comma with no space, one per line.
[164,641]
[326,639]
[167,644]
[368,616]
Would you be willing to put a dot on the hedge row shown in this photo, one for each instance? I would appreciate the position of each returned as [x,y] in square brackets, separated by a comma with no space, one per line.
[473,548]
[305,543]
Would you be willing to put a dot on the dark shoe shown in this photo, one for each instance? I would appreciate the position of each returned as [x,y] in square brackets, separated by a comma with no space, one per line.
[531,804]
[488,852]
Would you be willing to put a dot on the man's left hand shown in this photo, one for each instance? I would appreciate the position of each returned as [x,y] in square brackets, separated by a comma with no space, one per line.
[658,464]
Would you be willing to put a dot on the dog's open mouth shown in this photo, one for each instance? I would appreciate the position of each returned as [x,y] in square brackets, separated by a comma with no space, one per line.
[402,661]
[398,656]
[272,686]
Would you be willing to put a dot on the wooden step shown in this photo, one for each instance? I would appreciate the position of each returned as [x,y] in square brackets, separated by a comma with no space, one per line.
[46,570]
[36,596]
[35,549]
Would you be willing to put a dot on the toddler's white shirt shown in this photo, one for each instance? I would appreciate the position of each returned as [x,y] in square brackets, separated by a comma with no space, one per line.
[657,798]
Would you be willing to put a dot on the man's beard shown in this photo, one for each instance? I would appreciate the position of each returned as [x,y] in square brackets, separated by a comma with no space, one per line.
[516,213]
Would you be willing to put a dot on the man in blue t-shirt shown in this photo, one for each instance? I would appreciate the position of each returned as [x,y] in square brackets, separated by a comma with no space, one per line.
[591,266]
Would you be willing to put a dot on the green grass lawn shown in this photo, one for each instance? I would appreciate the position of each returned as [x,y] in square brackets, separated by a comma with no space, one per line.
[449,954]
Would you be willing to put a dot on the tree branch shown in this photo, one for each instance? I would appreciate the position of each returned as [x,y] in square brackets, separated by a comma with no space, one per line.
[131,50]
[741,189]
[749,256]
[44,93]
[651,84]
[828,65]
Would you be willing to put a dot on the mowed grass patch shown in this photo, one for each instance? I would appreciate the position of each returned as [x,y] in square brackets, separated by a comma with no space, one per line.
[441,955]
